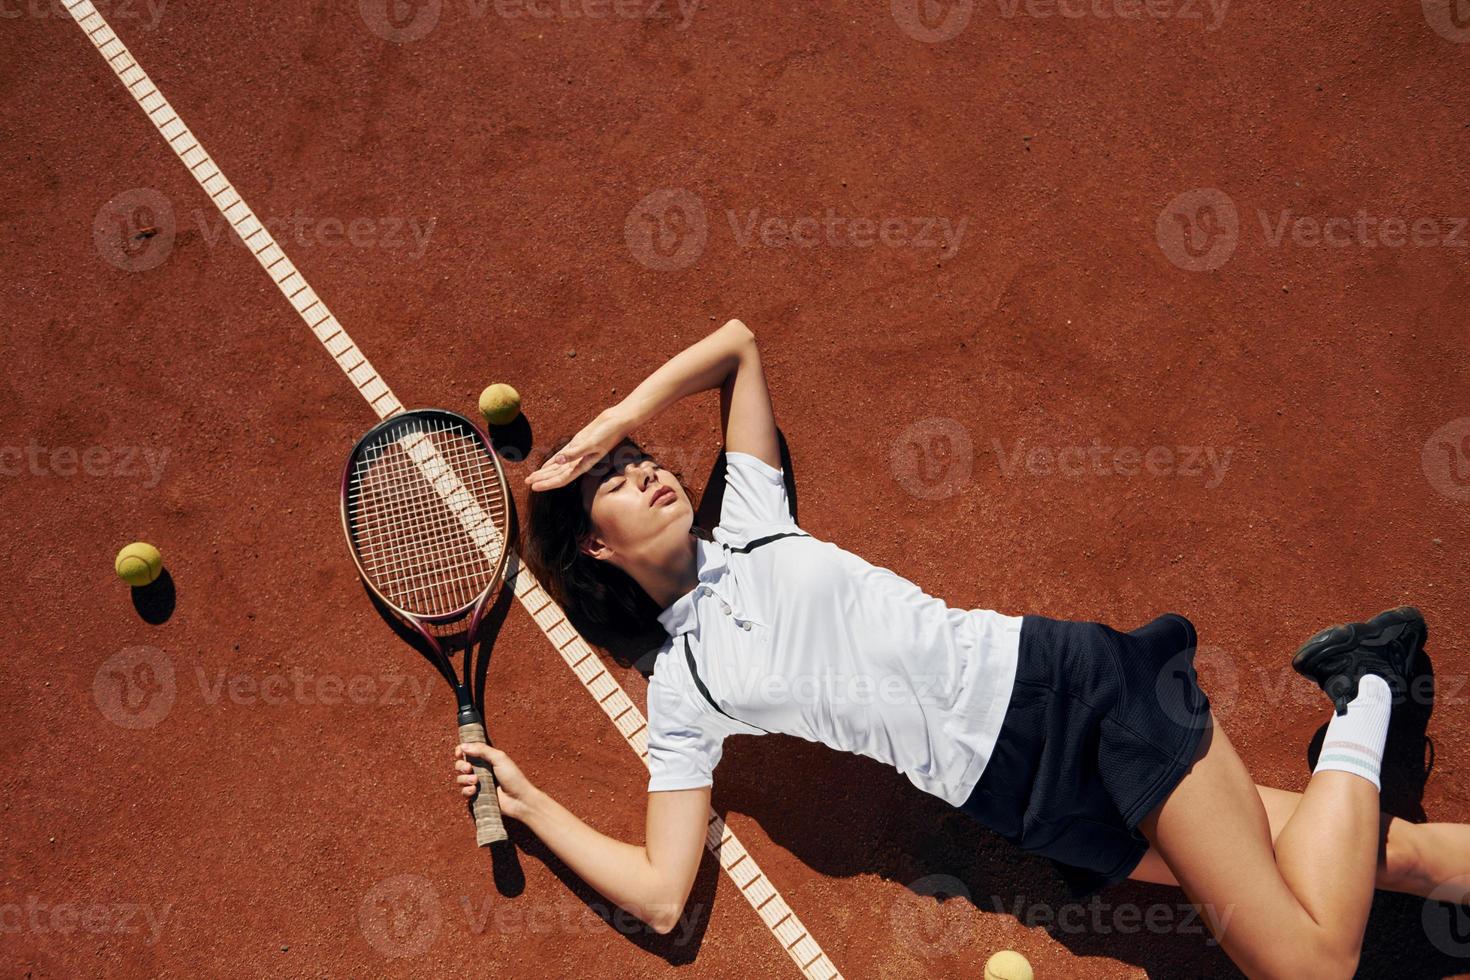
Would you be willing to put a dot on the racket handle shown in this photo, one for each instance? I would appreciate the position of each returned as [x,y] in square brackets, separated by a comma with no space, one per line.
[488,828]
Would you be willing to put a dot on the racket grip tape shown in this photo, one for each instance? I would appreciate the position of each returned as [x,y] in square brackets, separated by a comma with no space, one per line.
[488,827]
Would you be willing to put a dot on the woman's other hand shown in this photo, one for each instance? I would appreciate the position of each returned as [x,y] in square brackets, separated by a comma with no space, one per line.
[514,791]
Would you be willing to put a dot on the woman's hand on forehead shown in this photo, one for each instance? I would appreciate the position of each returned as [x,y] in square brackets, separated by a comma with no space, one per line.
[582,452]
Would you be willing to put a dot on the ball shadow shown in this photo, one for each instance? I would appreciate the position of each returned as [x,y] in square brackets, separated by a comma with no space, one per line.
[155,602]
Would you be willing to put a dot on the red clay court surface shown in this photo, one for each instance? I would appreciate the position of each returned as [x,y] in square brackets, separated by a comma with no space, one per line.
[474,203]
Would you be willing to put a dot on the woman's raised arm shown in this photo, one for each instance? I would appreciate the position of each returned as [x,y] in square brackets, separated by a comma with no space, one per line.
[708,363]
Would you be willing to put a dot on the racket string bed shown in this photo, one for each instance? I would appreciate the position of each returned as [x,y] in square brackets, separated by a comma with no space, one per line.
[427,513]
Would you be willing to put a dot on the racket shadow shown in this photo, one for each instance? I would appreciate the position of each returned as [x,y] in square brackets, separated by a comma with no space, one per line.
[481,644]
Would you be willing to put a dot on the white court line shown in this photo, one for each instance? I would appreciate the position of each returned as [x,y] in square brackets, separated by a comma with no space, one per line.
[738,863]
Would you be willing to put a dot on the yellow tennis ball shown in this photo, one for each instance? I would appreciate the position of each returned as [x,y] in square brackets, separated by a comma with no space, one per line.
[1008,965]
[139,563]
[500,404]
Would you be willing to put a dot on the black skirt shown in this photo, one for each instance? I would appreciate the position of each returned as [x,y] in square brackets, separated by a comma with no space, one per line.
[1100,728]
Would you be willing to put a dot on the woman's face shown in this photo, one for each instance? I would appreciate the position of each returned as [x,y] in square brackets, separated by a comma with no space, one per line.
[638,508]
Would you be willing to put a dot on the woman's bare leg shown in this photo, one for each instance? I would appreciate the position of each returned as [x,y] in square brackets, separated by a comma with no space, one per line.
[1413,858]
[1296,910]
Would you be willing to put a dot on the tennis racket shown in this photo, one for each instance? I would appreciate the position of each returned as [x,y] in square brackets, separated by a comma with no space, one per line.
[426,513]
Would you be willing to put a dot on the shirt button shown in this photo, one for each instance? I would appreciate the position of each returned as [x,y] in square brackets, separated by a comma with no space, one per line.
[745,626]
[726,608]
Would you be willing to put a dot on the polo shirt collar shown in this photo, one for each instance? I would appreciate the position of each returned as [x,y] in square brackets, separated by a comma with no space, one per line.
[710,560]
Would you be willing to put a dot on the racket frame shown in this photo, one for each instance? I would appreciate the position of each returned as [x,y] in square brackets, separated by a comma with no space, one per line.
[469,718]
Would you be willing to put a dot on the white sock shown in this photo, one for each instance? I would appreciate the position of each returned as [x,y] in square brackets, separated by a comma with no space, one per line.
[1355,740]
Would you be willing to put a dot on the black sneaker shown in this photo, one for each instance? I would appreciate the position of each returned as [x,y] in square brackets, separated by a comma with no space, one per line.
[1388,645]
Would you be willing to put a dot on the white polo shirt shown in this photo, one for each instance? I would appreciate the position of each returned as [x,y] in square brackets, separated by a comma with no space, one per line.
[801,637]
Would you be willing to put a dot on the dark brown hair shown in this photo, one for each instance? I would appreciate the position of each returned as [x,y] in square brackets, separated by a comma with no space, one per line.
[604,603]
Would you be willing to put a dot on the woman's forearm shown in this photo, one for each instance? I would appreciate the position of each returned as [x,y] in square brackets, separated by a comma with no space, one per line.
[699,367]
[621,872]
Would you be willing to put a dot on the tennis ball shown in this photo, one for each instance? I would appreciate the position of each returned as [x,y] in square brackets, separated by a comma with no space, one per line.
[1008,965]
[500,404]
[139,563]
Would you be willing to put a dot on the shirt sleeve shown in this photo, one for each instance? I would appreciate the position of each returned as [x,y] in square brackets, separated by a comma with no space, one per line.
[755,493]
[684,744]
